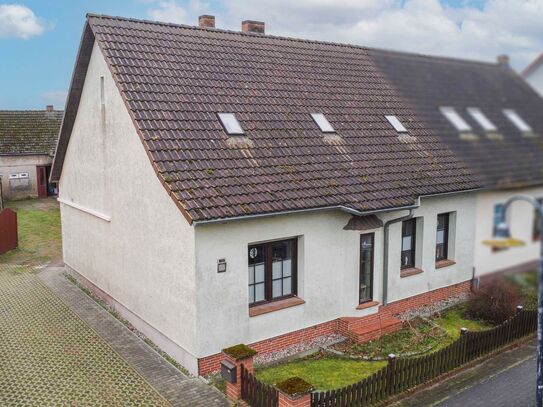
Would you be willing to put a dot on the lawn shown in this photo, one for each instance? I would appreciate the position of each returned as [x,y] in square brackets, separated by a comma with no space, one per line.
[39,232]
[322,372]
[420,336]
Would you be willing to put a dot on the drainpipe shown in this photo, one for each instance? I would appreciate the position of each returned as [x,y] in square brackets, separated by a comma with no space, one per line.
[385,252]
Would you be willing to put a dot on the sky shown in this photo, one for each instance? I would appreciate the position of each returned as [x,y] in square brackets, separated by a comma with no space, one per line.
[39,38]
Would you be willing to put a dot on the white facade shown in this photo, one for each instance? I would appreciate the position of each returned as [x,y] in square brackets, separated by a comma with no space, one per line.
[521,218]
[18,174]
[123,234]
[535,79]
[328,268]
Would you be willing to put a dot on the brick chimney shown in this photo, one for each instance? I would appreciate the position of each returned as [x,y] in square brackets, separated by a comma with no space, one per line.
[49,108]
[250,26]
[206,21]
[503,60]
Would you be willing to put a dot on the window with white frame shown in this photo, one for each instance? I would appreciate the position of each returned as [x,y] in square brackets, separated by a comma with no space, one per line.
[483,121]
[455,119]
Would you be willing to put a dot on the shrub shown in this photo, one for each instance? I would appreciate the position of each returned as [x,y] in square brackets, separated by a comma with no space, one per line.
[495,302]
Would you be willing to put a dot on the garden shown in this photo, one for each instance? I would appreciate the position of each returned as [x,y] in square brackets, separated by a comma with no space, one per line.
[345,363]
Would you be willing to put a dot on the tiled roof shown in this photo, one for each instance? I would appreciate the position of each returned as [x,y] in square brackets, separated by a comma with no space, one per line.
[175,79]
[430,82]
[29,131]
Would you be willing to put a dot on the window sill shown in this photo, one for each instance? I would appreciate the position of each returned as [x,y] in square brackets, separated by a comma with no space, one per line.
[410,272]
[444,263]
[368,304]
[275,306]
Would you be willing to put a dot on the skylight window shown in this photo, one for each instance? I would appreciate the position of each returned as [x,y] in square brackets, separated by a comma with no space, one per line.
[230,123]
[517,120]
[455,119]
[481,118]
[323,123]
[398,126]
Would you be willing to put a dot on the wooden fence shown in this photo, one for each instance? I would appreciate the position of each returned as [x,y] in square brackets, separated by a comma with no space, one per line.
[8,230]
[256,393]
[402,374]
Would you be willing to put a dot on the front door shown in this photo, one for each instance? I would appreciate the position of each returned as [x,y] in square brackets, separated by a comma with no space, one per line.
[42,181]
[366,267]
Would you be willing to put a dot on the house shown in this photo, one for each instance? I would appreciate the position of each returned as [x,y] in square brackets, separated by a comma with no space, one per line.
[221,187]
[27,144]
[533,74]
[492,119]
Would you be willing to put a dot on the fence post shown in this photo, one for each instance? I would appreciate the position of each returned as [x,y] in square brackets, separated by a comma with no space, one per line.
[390,374]
[294,392]
[233,358]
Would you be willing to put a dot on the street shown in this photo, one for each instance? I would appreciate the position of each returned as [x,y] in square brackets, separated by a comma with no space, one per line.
[506,380]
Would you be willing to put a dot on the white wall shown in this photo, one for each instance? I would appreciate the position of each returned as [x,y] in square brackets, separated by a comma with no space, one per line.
[328,269]
[15,164]
[536,79]
[144,256]
[521,220]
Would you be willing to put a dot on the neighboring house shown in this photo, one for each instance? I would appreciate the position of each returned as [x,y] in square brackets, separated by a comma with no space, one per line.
[220,187]
[533,74]
[27,144]
[489,116]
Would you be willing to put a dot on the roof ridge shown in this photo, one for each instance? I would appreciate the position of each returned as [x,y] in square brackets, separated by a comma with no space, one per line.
[294,39]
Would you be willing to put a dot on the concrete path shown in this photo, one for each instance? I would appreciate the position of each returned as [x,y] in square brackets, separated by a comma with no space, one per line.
[506,380]
[173,385]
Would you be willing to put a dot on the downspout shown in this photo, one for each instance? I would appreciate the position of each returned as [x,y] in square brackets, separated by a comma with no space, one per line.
[385,251]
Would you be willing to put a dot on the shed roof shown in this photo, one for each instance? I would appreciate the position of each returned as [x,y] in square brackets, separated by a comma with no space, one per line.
[24,132]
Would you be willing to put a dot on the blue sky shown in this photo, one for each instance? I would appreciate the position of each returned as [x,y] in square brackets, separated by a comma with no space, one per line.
[38,51]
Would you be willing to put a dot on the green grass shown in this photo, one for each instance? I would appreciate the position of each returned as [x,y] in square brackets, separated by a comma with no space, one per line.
[453,319]
[322,372]
[39,232]
[527,286]
[419,337]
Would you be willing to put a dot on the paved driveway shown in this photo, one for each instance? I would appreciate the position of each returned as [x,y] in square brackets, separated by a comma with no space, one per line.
[58,347]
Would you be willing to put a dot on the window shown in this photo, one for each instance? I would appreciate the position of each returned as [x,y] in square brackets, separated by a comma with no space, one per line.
[481,118]
[230,123]
[455,119]
[365,293]
[517,120]
[394,122]
[272,271]
[442,238]
[323,123]
[498,217]
[409,230]
[537,222]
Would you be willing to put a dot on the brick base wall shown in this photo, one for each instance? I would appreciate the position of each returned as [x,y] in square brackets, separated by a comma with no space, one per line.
[211,364]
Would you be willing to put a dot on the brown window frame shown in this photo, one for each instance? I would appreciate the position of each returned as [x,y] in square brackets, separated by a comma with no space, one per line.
[268,271]
[445,236]
[413,249]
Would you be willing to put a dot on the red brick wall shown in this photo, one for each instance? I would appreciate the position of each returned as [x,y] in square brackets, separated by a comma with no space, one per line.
[210,364]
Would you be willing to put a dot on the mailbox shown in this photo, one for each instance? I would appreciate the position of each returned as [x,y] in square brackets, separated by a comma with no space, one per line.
[229,371]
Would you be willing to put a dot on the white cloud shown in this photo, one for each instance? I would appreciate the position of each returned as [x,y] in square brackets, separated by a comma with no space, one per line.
[55,97]
[19,22]
[168,11]
[423,26]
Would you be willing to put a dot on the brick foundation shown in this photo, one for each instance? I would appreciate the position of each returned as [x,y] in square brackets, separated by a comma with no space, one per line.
[210,364]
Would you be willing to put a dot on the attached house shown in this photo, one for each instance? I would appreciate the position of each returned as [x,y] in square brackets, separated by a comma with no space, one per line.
[27,144]
[493,120]
[533,74]
[222,187]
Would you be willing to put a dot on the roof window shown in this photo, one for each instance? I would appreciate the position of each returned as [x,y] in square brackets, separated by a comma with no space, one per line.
[517,120]
[323,123]
[230,123]
[481,118]
[455,119]
[394,122]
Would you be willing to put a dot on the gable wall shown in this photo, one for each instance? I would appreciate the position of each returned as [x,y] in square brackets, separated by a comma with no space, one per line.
[536,79]
[144,256]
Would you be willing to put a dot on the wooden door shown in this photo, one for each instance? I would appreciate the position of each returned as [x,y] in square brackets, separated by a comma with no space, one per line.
[42,181]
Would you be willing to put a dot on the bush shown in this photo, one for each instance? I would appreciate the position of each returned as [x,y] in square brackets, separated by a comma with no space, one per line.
[495,302]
